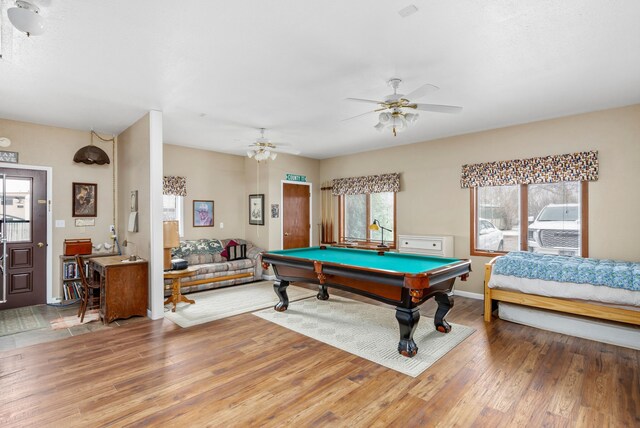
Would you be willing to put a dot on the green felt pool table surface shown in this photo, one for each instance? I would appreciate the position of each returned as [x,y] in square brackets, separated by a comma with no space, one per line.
[392,262]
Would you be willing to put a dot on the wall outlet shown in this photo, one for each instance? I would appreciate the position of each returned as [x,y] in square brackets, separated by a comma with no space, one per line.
[112,229]
[221,225]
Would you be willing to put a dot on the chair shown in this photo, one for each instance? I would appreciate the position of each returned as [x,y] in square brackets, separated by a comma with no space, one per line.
[88,287]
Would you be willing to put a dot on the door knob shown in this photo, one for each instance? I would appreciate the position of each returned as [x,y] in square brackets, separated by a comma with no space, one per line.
[286,234]
[40,244]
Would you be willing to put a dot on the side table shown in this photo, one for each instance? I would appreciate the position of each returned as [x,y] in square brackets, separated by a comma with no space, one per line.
[176,295]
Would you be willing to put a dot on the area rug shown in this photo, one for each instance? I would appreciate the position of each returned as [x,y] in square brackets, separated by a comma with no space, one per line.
[20,319]
[226,302]
[74,320]
[367,331]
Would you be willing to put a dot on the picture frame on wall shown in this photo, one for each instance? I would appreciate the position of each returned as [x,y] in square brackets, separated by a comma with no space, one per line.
[85,200]
[256,209]
[202,213]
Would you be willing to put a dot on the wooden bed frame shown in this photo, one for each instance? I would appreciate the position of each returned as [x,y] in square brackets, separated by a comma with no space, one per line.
[593,310]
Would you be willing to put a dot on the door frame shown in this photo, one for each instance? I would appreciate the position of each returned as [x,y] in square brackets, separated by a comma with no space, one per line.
[49,267]
[282,183]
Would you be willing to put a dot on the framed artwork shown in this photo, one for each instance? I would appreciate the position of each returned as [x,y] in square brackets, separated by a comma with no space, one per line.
[275,210]
[85,200]
[202,213]
[256,209]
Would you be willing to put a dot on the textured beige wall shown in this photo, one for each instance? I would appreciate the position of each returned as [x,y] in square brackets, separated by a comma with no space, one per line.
[40,145]
[257,181]
[271,174]
[210,176]
[288,164]
[432,202]
[133,174]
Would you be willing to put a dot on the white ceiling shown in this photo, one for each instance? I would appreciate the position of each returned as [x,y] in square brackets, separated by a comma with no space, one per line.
[221,69]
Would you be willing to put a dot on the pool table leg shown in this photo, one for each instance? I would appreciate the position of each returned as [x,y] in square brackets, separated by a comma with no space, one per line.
[280,287]
[407,320]
[445,303]
[323,294]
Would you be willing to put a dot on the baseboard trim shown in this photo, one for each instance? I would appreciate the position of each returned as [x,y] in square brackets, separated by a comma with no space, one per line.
[269,277]
[468,294]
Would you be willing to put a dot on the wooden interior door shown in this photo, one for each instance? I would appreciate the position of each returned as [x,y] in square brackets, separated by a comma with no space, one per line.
[23,232]
[296,221]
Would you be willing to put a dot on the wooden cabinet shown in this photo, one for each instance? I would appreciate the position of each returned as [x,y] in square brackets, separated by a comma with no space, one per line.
[70,277]
[432,245]
[123,287]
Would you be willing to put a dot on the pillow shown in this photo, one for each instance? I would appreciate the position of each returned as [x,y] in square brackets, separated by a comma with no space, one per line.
[225,253]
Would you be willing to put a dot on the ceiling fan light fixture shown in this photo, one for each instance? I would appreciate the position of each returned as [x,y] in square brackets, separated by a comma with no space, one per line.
[384,118]
[261,155]
[25,16]
[411,117]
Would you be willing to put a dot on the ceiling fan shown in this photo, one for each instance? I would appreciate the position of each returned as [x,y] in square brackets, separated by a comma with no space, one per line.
[393,114]
[263,148]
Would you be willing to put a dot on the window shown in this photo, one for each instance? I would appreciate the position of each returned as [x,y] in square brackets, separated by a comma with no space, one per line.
[549,218]
[357,212]
[172,209]
[498,218]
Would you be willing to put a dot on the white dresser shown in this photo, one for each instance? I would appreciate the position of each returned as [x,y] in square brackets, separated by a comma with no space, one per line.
[431,245]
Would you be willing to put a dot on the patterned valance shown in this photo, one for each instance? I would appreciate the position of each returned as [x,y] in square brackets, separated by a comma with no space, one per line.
[173,185]
[367,184]
[582,166]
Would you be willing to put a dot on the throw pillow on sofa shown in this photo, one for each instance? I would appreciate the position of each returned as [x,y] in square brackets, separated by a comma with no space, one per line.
[234,251]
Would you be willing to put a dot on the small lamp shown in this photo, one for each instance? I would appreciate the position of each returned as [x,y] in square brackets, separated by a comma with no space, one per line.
[171,239]
[376,226]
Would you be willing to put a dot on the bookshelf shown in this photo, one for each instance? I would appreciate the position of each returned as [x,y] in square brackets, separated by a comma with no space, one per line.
[70,276]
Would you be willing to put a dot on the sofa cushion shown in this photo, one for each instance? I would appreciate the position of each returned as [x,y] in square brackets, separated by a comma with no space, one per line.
[199,251]
[211,268]
[240,264]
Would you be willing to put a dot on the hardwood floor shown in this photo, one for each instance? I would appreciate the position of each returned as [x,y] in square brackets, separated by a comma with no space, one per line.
[245,371]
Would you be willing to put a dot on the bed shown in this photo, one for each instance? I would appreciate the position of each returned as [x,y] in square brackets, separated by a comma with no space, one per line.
[604,289]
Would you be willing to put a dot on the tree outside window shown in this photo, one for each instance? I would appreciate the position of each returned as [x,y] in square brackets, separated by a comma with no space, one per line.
[357,212]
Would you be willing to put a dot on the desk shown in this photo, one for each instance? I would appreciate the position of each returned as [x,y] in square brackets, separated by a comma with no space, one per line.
[175,276]
[123,286]
[403,280]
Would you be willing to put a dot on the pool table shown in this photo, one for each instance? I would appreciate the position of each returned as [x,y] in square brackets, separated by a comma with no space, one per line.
[403,280]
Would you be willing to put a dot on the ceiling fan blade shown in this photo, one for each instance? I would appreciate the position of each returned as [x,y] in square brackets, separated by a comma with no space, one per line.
[362,100]
[436,107]
[279,144]
[285,150]
[363,114]
[421,91]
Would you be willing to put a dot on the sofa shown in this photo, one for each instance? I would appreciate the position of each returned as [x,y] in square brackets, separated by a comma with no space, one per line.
[219,263]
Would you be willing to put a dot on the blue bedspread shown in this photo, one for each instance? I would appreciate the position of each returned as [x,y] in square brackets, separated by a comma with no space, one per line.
[610,273]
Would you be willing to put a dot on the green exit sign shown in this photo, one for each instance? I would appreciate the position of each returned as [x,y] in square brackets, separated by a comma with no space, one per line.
[296,177]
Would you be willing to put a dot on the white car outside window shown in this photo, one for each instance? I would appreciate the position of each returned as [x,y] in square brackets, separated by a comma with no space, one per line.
[490,238]
[556,230]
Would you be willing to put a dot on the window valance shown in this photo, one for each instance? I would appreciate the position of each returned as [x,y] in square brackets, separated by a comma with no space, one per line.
[581,166]
[173,185]
[366,184]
